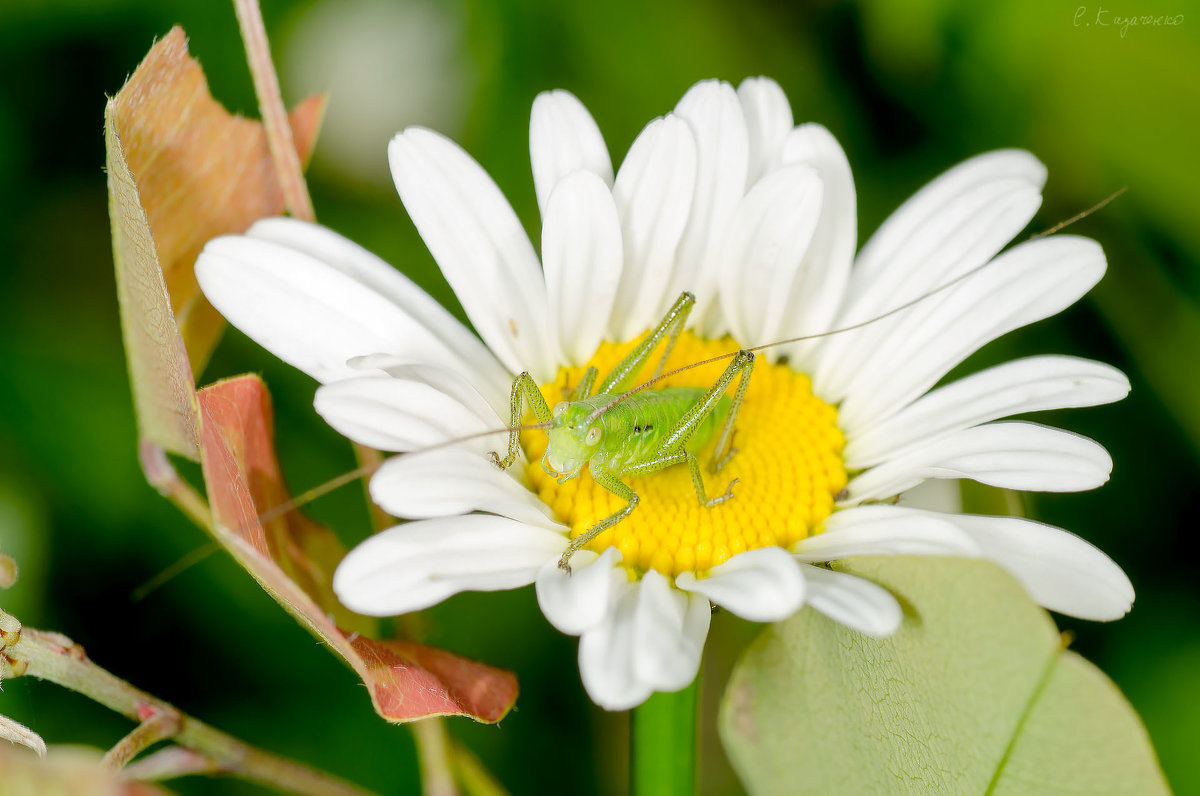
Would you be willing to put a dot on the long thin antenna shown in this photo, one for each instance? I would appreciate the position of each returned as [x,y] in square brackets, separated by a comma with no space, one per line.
[966,275]
[275,512]
[1080,216]
[329,486]
[181,565]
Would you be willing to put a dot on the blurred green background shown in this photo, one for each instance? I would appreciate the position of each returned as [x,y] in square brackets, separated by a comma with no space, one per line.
[909,89]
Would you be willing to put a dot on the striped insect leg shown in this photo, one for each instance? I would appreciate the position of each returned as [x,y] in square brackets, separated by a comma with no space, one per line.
[619,488]
[626,372]
[524,391]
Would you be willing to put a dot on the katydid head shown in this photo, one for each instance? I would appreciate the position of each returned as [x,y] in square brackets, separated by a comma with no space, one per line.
[574,437]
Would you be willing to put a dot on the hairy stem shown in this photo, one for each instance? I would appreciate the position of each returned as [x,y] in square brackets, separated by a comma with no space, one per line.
[433,752]
[437,773]
[159,727]
[270,104]
[161,475]
[53,657]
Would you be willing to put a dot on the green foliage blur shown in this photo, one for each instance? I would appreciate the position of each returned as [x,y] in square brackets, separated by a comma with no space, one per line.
[909,90]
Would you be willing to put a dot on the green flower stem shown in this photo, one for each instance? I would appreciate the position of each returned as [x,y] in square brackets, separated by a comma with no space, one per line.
[53,657]
[663,753]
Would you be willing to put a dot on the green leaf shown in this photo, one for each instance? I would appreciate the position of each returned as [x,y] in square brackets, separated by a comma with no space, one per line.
[974,694]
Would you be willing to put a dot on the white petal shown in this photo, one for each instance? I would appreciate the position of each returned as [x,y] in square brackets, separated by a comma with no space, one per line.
[722,158]
[446,381]
[563,137]
[1012,455]
[762,585]
[581,250]
[954,223]
[950,226]
[580,600]
[398,415]
[653,193]
[479,244]
[669,628]
[452,481]
[766,240]
[1060,571]
[1028,283]
[884,530]
[317,307]
[852,601]
[419,564]
[477,363]
[606,656]
[768,122]
[1033,384]
[818,292]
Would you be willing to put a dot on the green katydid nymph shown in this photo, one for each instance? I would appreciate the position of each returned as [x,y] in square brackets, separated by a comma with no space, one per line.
[631,436]
[618,433]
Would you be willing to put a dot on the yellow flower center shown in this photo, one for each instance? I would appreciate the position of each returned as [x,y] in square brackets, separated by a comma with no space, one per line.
[788,464]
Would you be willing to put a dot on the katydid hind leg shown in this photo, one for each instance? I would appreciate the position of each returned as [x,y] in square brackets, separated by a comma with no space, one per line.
[725,450]
[524,391]
[625,374]
[682,431]
[679,457]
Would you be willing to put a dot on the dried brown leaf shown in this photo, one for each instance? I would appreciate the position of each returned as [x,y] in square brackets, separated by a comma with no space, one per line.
[293,559]
[181,170]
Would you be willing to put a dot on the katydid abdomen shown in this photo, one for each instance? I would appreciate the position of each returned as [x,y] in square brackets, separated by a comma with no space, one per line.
[637,426]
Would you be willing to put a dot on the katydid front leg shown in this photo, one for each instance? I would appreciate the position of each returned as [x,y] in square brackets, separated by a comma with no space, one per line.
[619,488]
[744,361]
[524,390]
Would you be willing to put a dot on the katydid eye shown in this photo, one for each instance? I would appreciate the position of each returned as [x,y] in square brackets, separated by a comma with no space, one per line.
[593,435]
[560,410]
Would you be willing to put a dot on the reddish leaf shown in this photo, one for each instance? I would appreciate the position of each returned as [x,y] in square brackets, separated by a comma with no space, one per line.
[406,680]
[181,170]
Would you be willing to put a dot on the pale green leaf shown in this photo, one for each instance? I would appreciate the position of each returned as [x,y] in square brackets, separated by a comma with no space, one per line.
[181,170]
[163,391]
[974,694]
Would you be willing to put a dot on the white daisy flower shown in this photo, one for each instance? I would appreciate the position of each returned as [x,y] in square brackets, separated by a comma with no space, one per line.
[723,197]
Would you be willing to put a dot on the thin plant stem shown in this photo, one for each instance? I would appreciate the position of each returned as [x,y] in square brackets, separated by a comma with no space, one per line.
[437,773]
[472,776]
[161,475]
[663,744]
[274,115]
[53,657]
[433,753]
[170,762]
[159,727]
